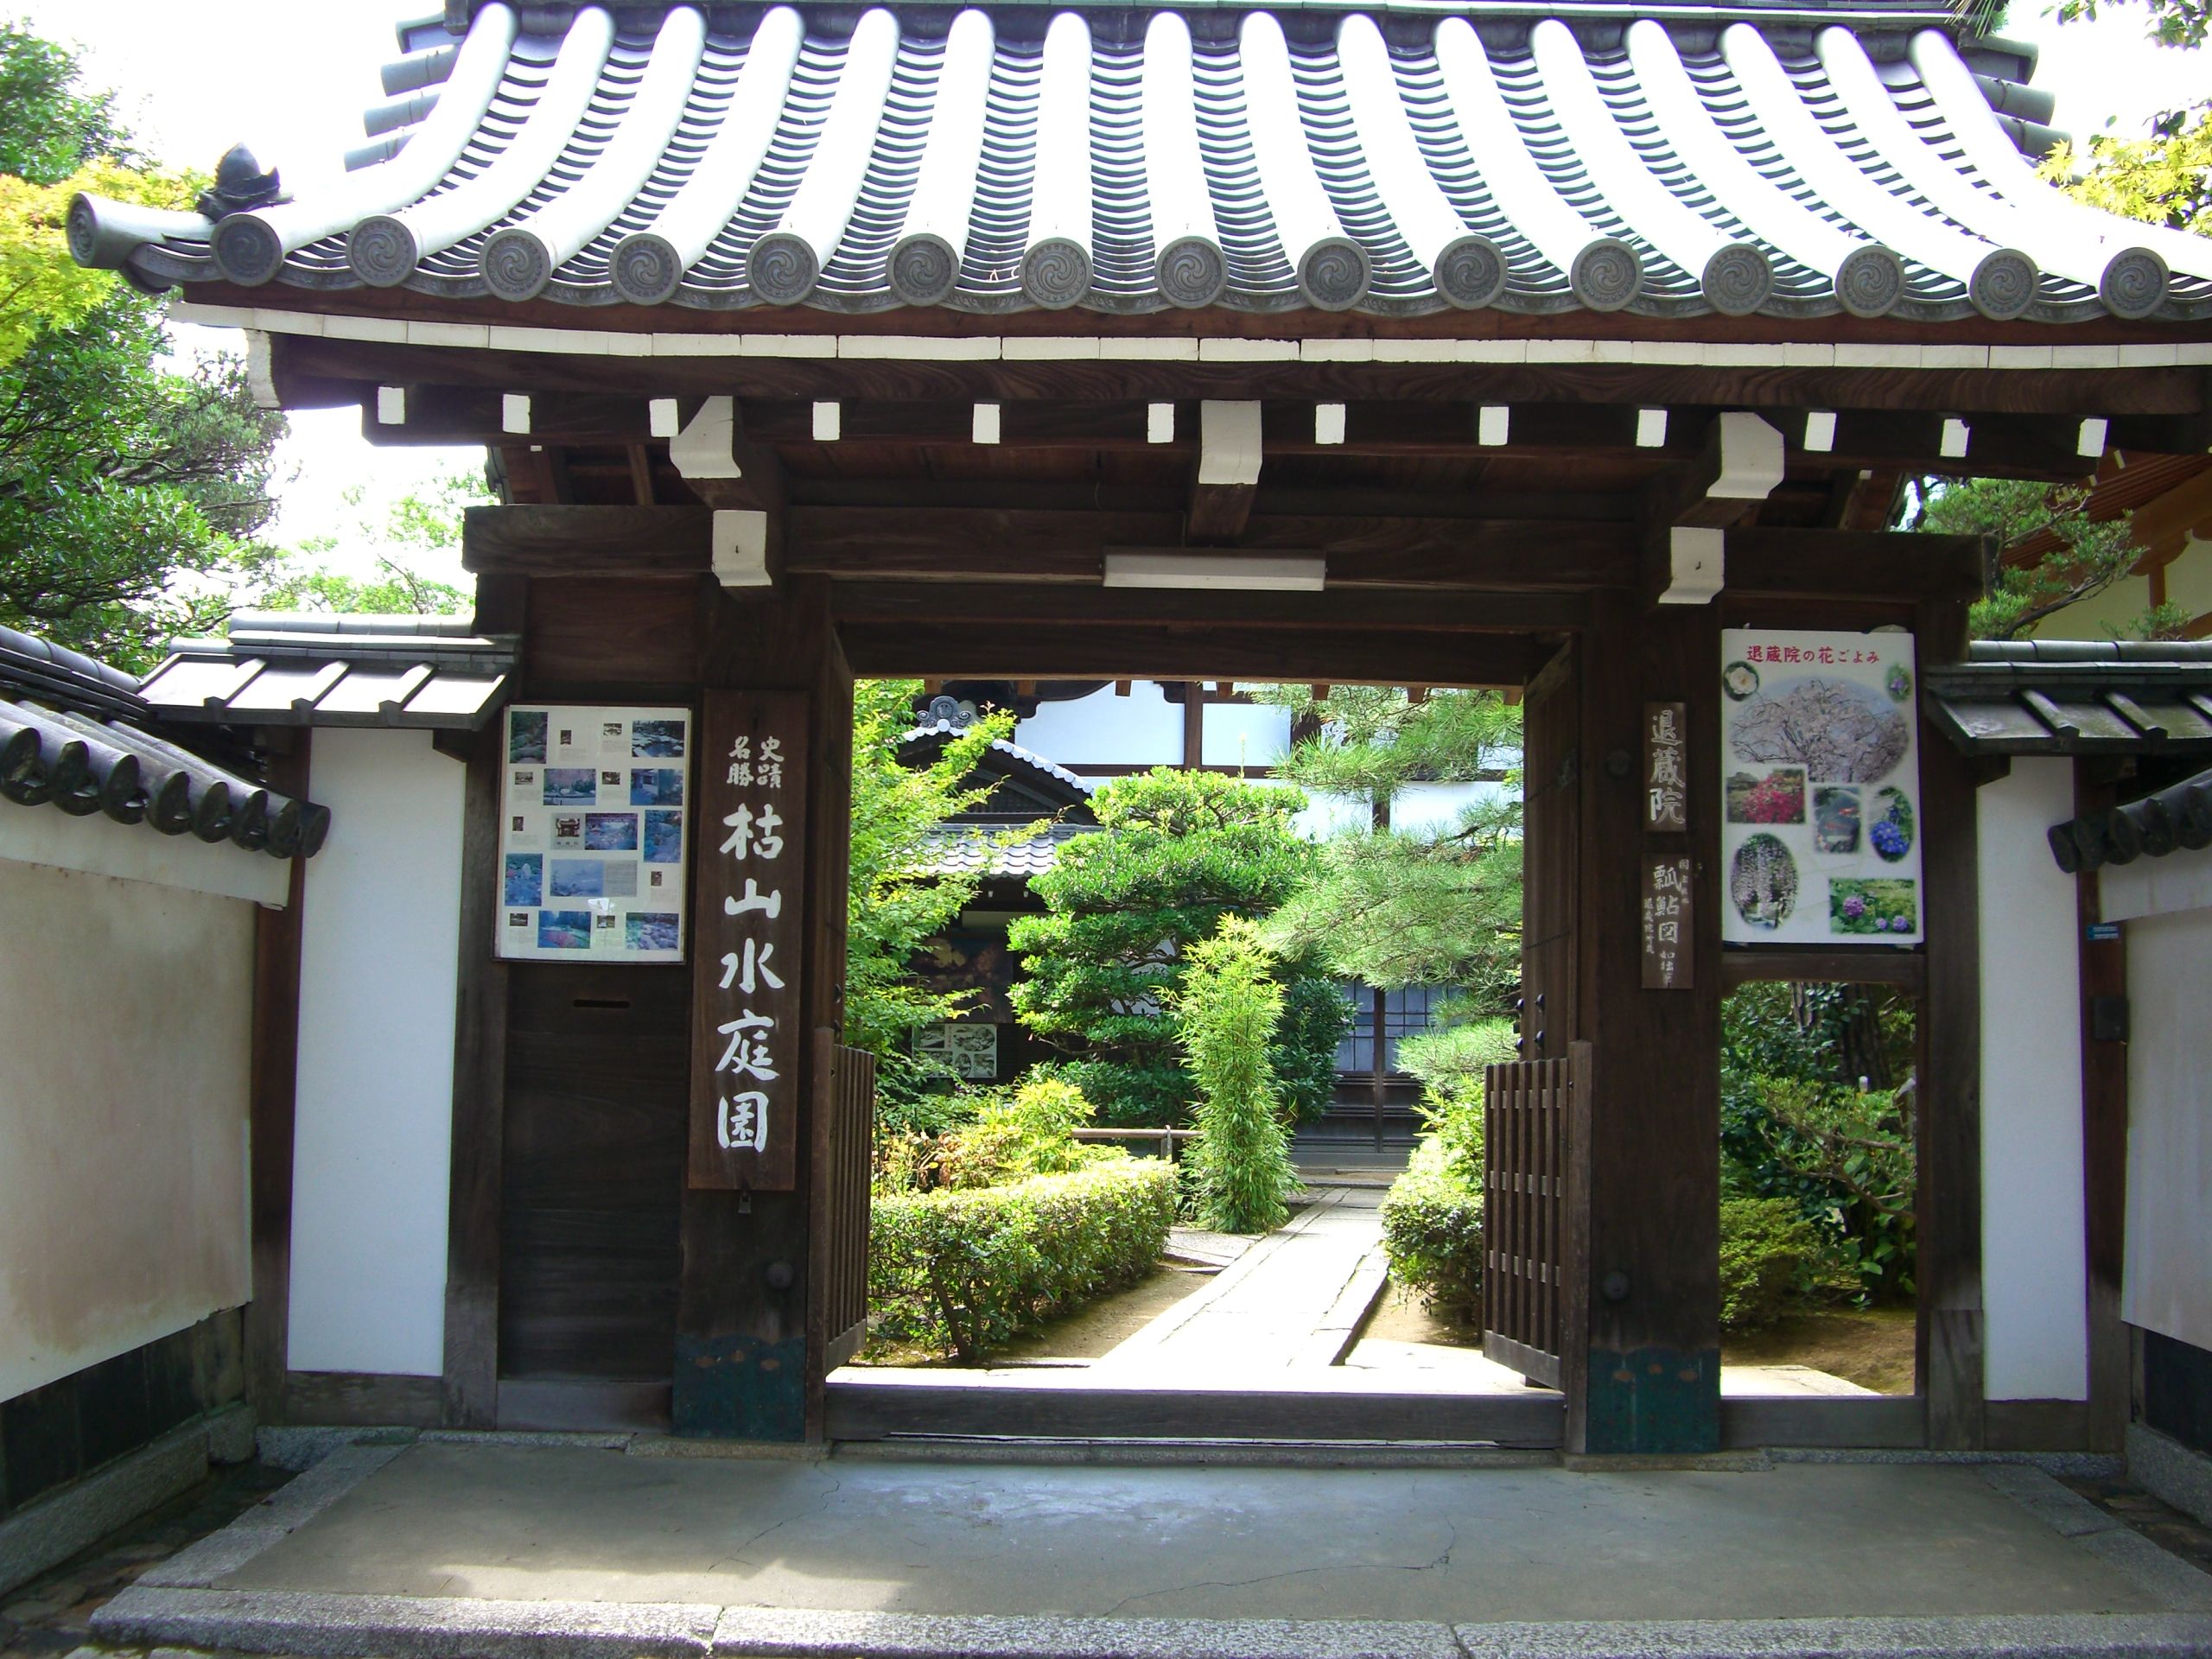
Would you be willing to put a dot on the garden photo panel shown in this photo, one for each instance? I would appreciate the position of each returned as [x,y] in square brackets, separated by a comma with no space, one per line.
[1820,769]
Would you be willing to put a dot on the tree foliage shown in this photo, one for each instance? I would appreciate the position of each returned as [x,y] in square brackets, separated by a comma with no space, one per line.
[1180,851]
[2163,180]
[421,522]
[900,896]
[132,494]
[1225,1014]
[2017,597]
[1432,906]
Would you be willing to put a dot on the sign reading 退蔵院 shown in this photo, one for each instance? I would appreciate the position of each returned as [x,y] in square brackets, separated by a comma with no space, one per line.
[1666,767]
[746,1044]
[591,842]
[1820,769]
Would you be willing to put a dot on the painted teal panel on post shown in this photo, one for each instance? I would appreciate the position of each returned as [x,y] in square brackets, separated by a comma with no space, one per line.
[741,1389]
[1655,1401]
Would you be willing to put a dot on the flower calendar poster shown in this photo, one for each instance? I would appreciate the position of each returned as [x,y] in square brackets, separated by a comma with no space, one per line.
[592,855]
[1820,770]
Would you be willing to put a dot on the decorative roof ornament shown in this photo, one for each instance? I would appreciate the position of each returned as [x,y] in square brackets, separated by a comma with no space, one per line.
[240,186]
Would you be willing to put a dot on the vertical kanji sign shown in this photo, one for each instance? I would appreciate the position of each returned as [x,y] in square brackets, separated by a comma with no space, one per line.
[749,927]
[1667,923]
[1666,766]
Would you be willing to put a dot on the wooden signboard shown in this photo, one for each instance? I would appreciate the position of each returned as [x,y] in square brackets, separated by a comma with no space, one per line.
[1666,767]
[1667,925]
[748,925]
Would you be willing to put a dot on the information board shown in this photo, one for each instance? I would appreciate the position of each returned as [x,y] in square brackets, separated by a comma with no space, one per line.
[1820,770]
[592,842]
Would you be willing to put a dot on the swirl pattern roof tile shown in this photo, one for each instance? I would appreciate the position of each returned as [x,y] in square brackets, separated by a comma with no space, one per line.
[1669,170]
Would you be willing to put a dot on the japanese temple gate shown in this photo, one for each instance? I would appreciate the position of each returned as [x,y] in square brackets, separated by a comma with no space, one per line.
[1486,349]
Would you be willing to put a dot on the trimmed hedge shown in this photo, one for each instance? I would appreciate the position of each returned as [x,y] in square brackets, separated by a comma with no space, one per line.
[1433,1233]
[1767,1248]
[964,1269]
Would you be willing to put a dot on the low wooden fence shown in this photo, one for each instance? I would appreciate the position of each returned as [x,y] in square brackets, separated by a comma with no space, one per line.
[1164,1141]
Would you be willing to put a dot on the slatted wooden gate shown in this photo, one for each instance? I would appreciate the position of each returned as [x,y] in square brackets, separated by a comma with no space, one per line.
[1527,1110]
[842,1148]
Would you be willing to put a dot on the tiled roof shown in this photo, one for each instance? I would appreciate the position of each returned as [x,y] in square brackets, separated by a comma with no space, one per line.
[2175,819]
[1009,756]
[1134,161]
[2076,696]
[274,669]
[69,738]
[961,848]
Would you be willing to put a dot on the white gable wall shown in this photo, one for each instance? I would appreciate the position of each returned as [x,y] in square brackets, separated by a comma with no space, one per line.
[2164,907]
[2035,1284]
[378,952]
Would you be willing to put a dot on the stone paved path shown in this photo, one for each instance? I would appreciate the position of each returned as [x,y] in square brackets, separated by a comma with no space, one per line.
[1293,1300]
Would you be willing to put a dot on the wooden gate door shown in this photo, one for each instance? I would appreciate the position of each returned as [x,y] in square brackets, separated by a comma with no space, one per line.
[1531,1113]
[844,1137]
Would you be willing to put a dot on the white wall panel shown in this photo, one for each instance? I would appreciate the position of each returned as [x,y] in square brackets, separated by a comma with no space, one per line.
[1142,729]
[1247,735]
[126,1029]
[2033,1240]
[378,952]
[2167,1282]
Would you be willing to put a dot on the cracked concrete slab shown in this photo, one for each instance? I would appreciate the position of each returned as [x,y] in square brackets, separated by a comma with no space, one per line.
[947,1539]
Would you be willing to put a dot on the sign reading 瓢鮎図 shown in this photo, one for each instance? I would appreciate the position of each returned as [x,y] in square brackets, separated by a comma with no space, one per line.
[748,928]
[1820,771]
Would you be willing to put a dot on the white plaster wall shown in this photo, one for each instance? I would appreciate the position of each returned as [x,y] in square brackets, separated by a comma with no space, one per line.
[379,937]
[2166,1285]
[1248,734]
[1142,729]
[126,1017]
[2033,1239]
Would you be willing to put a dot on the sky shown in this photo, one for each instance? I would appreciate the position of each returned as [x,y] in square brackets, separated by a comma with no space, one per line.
[290,78]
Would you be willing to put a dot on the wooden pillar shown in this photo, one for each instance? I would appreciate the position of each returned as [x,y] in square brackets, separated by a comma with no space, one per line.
[2104,1142]
[1643,1368]
[274,1092]
[470,1390]
[744,1369]
[1194,724]
[1948,1219]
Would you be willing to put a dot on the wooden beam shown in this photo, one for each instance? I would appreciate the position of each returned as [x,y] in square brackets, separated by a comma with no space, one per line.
[559,541]
[2103,966]
[1774,562]
[1153,651]
[2033,445]
[1949,1203]
[641,474]
[994,544]
[272,1108]
[471,1380]
[1010,605]
[2076,392]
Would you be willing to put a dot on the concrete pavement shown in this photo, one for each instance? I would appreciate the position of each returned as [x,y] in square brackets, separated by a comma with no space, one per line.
[455,1549]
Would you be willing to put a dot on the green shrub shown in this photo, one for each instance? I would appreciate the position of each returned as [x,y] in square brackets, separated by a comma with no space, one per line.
[1449,1060]
[1225,1015]
[1028,1131]
[1433,1233]
[962,1270]
[1767,1249]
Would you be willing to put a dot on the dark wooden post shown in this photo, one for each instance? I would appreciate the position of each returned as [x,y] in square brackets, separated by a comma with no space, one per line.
[744,1369]
[470,1388]
[1643,1375]
[273,1122]
[2104,1142]
[1949,1204]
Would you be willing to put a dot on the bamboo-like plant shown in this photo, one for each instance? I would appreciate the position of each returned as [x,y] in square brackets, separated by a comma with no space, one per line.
[1225,1015]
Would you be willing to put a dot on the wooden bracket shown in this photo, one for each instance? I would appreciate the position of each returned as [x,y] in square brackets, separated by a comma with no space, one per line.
[1686,506]
[1228,470]
[743,482]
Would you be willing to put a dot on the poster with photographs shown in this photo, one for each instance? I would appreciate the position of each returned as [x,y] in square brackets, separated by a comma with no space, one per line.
[592,854]
[1820,769]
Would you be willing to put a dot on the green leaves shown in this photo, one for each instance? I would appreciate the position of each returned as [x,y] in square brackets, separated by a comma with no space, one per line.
[1179,852]
[1225,1016]
[2050,553]
[900,896]
[1433,1232]
[964,1271]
